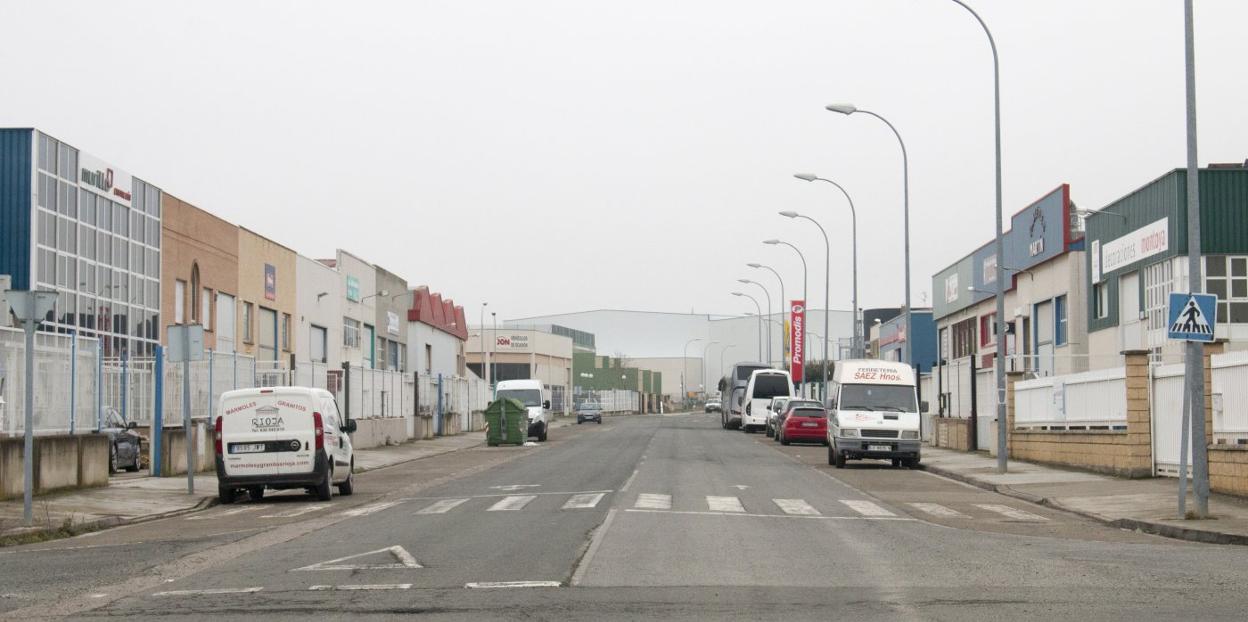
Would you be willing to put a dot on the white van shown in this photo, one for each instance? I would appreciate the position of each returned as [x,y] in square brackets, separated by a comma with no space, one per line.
[282,437]
[873,413]
[533,395]
[764,385]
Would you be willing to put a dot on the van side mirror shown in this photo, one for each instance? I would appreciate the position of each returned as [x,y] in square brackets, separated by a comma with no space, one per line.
[923,406]
[546,404]
[349,426]
[132,425]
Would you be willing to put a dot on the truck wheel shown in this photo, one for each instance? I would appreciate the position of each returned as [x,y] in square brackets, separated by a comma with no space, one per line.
[255,493]
[838,457]
[348,485]
[831,455]
[911,463]
[225,494]
[325,489]
[541,436]
[138,463]
[112,459]
[769,432]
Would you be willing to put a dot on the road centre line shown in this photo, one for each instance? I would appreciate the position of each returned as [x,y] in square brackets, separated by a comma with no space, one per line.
[511,584]
[704,513]
[503,494]
[225,590]
[595,541]
[376,586]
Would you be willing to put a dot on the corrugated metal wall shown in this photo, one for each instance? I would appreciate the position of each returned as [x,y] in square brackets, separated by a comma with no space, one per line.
[15,166]
[1223,211]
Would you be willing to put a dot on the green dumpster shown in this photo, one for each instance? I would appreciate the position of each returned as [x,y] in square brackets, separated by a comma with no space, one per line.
[508,422]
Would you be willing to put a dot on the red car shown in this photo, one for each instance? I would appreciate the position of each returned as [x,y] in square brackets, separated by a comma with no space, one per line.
[804,423]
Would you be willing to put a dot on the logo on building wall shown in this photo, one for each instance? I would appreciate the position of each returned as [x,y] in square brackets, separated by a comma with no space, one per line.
[270,282]
[392,322]
[514,342]
[103,179]
[990,269]
[1142,243]
[951,288]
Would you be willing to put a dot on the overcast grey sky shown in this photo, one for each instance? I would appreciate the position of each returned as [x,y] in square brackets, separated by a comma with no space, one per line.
[559,156]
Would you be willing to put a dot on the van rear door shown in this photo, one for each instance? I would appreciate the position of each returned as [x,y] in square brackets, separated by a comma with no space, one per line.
[268,433]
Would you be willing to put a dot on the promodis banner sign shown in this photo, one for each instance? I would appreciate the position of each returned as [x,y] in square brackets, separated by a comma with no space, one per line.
[797,337]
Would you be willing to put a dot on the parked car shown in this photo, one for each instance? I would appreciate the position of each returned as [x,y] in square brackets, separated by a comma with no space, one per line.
[783,412]
[764,385]
[125,446]
[281,438]
[773,412]
[534,397]
[714,406]
[588,411]
[804,423]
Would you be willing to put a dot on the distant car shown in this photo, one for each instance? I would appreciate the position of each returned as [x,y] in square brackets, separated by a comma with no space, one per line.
[773,412]
[125,446]
[804,424]
[783,412]
[714,406]
[588,411]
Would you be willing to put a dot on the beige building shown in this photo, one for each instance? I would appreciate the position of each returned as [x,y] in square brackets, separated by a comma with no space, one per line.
[266,297]
[199,268]
[517,354]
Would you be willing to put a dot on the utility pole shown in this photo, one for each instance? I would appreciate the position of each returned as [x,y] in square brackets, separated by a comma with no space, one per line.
[1194,369]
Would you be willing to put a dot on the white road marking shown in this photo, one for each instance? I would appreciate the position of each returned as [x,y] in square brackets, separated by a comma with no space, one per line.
[595,541]
[226,590]
[404,561]
[514,502]
[511,584]
[1010,512]
[497,495]
[740,486]
[514,487]
[724,504]
[866,508]
[376,586]
[796,506]
[584,501]
[647,501]
[629,481]
[443,506]
[365,510]
[217,515]
[819,517]
[297,512]
[936,509]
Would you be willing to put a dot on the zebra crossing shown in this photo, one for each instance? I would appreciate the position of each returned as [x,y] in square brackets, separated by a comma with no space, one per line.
[727,505]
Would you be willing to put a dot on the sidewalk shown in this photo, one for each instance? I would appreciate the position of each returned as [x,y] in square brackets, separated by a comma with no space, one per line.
[129,500]
[1148,505]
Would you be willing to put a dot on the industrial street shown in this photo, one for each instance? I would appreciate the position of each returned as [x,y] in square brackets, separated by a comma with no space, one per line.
[660,516]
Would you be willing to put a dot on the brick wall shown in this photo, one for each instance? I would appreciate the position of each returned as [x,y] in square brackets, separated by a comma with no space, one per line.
[952,432]
[1228,469]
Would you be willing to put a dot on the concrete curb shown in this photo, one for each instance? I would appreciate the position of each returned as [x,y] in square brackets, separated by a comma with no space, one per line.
[1146,526]
[109,522]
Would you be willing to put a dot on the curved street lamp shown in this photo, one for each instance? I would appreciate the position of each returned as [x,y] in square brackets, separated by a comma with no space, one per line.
[783,306]
[805,300]
[854,215]
[704,377]
[760,320]
[684,372]
[827,275]
[767,294]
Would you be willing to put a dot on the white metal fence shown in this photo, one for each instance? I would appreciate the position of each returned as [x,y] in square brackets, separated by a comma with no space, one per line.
[1230,398]
[67,388]
[611,400]
[1085,401]
[210,377]
[1166,393]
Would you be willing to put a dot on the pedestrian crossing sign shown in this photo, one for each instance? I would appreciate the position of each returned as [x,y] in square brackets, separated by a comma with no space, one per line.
[1193,317]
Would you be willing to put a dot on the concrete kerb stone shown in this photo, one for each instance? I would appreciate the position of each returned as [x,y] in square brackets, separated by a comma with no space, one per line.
[1177,532]
[109,522]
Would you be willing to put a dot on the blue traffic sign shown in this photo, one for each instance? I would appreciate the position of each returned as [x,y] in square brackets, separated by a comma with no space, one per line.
[1193,317]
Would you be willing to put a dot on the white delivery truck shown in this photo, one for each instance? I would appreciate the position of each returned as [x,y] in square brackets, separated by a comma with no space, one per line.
[281,438]
[764,385]
[533,395]
[873,413]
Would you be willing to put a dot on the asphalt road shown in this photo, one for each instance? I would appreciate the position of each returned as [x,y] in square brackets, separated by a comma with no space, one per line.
[641,517]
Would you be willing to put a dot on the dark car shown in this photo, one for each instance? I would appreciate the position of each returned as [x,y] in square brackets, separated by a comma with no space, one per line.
[588,411]
[778,433]
[125,446]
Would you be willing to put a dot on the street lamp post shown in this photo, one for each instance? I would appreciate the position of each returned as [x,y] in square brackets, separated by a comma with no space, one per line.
[854,220]
[485,356]
[705,379]
[30,307]
[827,275]
[684,372]
[805,300]
[783,306]
[767,294]
[760,321]
[721,362]
[494,347]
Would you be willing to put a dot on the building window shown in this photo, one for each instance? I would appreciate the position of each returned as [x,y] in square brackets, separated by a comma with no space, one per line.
[1227,278]
[286,332]
[179,302]
[350,333]
[964,338]
[318,344]
[1100,301]
[1059,320]
[1158,283]
[205,308]
[429,358]
[247,316]
[988,329]
[195,295]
